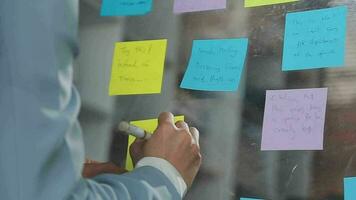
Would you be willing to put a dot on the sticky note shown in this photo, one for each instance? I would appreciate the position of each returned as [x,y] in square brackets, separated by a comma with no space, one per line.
[181,6]
[137,67]
[149,125]
[315,39]
[215,65]
[294,119]
[350,188]
[125,7]
[249,199]
[255,3]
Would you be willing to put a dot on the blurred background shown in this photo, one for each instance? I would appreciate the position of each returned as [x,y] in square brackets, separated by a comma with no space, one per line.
[230,123]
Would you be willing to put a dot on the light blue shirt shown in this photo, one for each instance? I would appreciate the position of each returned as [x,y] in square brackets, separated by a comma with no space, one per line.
[41,147]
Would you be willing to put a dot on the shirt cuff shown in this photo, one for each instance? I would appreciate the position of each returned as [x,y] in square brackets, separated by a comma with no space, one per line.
[167,169]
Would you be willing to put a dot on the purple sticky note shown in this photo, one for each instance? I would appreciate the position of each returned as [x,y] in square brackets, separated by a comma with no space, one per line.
[181,6]
[294,119]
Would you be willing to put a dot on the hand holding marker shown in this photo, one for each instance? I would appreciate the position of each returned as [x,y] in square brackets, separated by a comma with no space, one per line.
[172,142]
[134,130]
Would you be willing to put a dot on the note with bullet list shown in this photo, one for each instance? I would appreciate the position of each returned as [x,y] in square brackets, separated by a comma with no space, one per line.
[182,6]
[215,65]
[149,125]
[255,3]
[315,39]
[125,7]
[294,119]
[137,67]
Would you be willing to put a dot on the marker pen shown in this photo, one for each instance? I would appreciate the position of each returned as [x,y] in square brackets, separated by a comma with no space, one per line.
[134,130]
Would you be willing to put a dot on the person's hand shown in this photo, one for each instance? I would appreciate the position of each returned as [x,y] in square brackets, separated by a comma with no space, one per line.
[93,168]
[176,143]
[136,150]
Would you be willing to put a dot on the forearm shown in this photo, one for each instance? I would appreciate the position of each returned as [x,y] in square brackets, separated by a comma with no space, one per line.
[168,170]
[144,183]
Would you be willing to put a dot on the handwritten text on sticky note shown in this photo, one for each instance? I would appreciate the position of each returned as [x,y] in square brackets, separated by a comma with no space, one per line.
[148,125]
[215,65]
[181,6]
[294,119]
[315,39]
[254,3]
[125,7]
[138,67]
[350,188]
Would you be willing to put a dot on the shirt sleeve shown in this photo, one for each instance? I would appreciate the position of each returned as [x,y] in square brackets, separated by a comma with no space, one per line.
[143,183]
[41,145]
[167,169]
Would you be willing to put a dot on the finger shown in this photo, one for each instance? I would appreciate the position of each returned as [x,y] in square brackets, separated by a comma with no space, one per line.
[195,134]
[136,147]
[89,161]
[112,168]
[166,117]
[95,169]
[136,150]
[139,142]
[182,125]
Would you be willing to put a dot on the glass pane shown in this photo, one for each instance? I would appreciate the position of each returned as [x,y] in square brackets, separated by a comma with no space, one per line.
[231,123]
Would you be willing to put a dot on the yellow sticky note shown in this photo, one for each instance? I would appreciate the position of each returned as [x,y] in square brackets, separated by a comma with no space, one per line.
[137,67]
[254,3]
[149,125]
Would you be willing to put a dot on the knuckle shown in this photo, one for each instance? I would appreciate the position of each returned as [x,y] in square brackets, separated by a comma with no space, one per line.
[196,152]
[165,125]
[199,157]
[193,129]
[166,114]
[164,128]
[186,137]
[182,124]
[195,149]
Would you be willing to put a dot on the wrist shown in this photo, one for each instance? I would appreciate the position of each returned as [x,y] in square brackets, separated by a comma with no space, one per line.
[168,170]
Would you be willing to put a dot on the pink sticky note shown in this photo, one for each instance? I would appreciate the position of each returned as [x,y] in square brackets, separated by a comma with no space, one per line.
[294,119]
[181,6]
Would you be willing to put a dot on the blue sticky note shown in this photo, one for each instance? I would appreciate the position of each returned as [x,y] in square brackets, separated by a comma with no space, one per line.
[215,65]
[125,7]
[350,188]
[315,39]
[249,199]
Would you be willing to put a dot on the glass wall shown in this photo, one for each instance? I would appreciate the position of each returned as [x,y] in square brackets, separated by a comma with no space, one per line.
[230,123]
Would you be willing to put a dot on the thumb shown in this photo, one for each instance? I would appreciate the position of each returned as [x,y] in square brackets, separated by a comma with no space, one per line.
[136,150]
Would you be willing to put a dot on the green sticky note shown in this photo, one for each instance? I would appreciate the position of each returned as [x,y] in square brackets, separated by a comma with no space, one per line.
[137,67]
[148,125]
[255,3]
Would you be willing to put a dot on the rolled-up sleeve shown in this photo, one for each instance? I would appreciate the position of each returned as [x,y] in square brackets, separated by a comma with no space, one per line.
[41,147]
